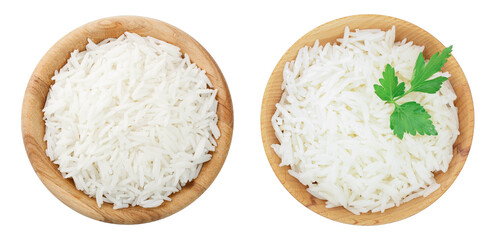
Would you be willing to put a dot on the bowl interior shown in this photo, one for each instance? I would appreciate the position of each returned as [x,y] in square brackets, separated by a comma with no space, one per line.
[329,32]
[33,126]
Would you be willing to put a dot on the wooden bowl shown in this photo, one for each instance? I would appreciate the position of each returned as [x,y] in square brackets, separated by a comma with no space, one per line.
[329,32]
[33,127]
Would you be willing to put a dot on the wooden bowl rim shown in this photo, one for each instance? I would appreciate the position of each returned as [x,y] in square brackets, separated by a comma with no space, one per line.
[340,214]
[81,202]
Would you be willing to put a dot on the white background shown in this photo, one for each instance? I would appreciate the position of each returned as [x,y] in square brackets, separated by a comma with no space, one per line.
[247,38]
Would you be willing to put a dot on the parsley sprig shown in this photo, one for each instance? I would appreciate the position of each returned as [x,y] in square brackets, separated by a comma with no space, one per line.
[411,117]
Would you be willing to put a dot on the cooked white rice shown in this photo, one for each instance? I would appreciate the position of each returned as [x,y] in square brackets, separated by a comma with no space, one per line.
[130,120]
[334,131]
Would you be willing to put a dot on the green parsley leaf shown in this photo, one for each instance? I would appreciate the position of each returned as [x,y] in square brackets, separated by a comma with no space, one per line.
[411,118]
[430,86]
[424,71]
[390,88]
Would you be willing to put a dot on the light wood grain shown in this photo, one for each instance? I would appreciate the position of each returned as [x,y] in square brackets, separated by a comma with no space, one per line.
[33,128]
[329,32]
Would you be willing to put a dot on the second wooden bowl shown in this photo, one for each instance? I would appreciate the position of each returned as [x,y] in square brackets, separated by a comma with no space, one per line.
[33,126]
[329,32]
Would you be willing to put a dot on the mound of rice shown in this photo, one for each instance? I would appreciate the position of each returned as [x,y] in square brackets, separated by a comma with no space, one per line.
[130,120]
[334,131]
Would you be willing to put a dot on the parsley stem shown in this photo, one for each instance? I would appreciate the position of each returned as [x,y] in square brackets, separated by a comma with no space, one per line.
[403,95]
[396,105]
